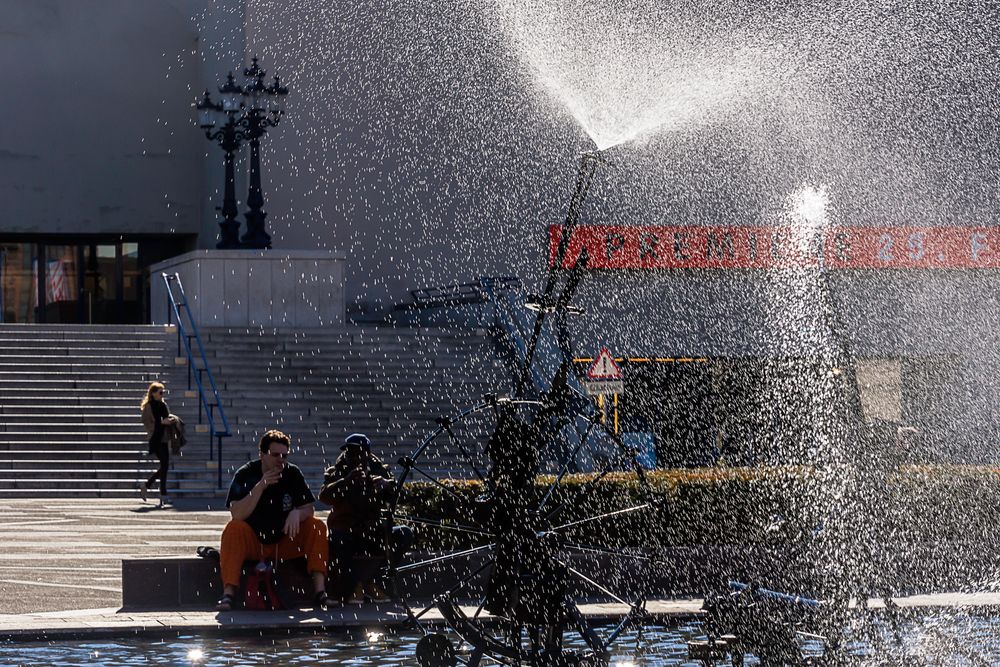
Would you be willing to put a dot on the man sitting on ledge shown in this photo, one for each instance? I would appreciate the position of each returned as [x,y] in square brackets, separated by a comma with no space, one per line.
[272,510]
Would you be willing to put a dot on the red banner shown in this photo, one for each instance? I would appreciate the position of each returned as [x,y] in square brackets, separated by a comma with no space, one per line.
[650,247]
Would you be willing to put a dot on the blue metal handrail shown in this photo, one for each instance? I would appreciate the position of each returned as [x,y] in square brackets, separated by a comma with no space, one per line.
[204,405]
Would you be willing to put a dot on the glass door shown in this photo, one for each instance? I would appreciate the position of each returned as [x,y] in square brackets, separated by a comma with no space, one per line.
[133,285]
[101,295]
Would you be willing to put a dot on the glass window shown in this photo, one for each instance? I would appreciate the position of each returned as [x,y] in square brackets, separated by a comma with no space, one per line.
[62,303]
[19,280]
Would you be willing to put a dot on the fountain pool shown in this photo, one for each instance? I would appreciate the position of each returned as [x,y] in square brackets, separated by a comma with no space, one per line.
[953,639]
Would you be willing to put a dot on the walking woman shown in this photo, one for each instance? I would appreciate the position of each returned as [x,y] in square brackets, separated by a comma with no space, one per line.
[156,417]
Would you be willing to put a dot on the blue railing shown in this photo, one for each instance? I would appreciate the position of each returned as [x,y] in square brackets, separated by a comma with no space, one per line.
[209,402]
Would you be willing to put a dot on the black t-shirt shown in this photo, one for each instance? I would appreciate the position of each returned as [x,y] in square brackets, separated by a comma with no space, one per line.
[278,500]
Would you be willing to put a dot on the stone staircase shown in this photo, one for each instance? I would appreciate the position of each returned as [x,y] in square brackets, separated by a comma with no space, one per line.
[69,399]
[69,407]
[318,385]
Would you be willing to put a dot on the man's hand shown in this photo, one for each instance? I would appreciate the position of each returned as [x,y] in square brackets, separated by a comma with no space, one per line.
[356,473]
[292,523]
[270,477]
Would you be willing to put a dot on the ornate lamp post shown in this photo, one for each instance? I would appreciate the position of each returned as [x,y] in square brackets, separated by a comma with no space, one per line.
[229,138]
[248,112]
[264,111]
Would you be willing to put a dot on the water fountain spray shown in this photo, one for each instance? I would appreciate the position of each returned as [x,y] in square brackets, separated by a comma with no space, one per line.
[753,618]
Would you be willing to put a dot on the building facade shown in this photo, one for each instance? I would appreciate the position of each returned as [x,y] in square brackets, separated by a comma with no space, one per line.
[434,143]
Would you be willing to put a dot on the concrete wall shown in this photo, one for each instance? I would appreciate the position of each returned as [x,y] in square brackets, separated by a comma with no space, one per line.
[97,133]
[239,288]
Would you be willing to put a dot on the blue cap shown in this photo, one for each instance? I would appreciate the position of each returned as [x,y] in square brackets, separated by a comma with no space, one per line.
[357,440]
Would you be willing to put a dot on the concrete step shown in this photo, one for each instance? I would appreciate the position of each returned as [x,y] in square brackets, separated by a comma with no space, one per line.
[60,415]
[84,445]
[76,344]
[155,352]
[11,427]
[67,356]
[69,402]
[104,373]
[8,383]
[74,455]
[60,368]
[131,472]
[90,486]
[10,326]
[91,491]
[41,401]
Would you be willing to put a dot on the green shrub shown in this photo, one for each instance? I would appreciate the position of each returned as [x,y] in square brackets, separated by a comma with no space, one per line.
[713,506]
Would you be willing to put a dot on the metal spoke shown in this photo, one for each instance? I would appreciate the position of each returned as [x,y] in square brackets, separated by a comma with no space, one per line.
[565,469]
[599,517]
[596,585]
[436,432]
[586,548]
[454,441]
[638,610]
[586,489]
[442,559]
[450,492]
[440,524]
[479,609]
[457,588]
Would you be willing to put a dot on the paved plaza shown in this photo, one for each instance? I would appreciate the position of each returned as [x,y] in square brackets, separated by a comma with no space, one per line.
[60,574]
[65,554]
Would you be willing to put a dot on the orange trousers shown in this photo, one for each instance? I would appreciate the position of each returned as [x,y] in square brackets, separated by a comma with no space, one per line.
[240,543]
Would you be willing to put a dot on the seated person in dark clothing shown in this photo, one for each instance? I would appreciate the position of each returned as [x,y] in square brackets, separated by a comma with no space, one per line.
[272,510]
[358,487]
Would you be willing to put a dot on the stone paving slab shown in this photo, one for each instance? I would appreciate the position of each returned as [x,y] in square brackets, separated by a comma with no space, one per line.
[88,623]
[111,622]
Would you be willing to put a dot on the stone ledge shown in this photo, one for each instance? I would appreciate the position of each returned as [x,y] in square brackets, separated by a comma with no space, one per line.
[194,583]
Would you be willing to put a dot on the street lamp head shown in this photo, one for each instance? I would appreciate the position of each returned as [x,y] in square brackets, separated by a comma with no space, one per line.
[258,93]
[232,95]
[206,111]
[278,93]
[254,71]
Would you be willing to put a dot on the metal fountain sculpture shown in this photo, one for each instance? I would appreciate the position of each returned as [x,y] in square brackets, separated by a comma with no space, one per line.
[520,576]
[517,586]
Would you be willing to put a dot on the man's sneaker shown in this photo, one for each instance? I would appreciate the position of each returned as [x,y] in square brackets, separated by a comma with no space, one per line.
[376,593]
[358,596]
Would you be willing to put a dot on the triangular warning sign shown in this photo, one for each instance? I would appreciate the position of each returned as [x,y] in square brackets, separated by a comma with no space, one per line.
[604,367]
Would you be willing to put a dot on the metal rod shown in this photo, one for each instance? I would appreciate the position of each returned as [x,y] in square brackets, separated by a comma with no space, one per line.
[565,469]
[599,587]
[464,501]
[440,524]
[599,517]
[586,489]
[586,548]
[442,559]
[588,165]
[458,587]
